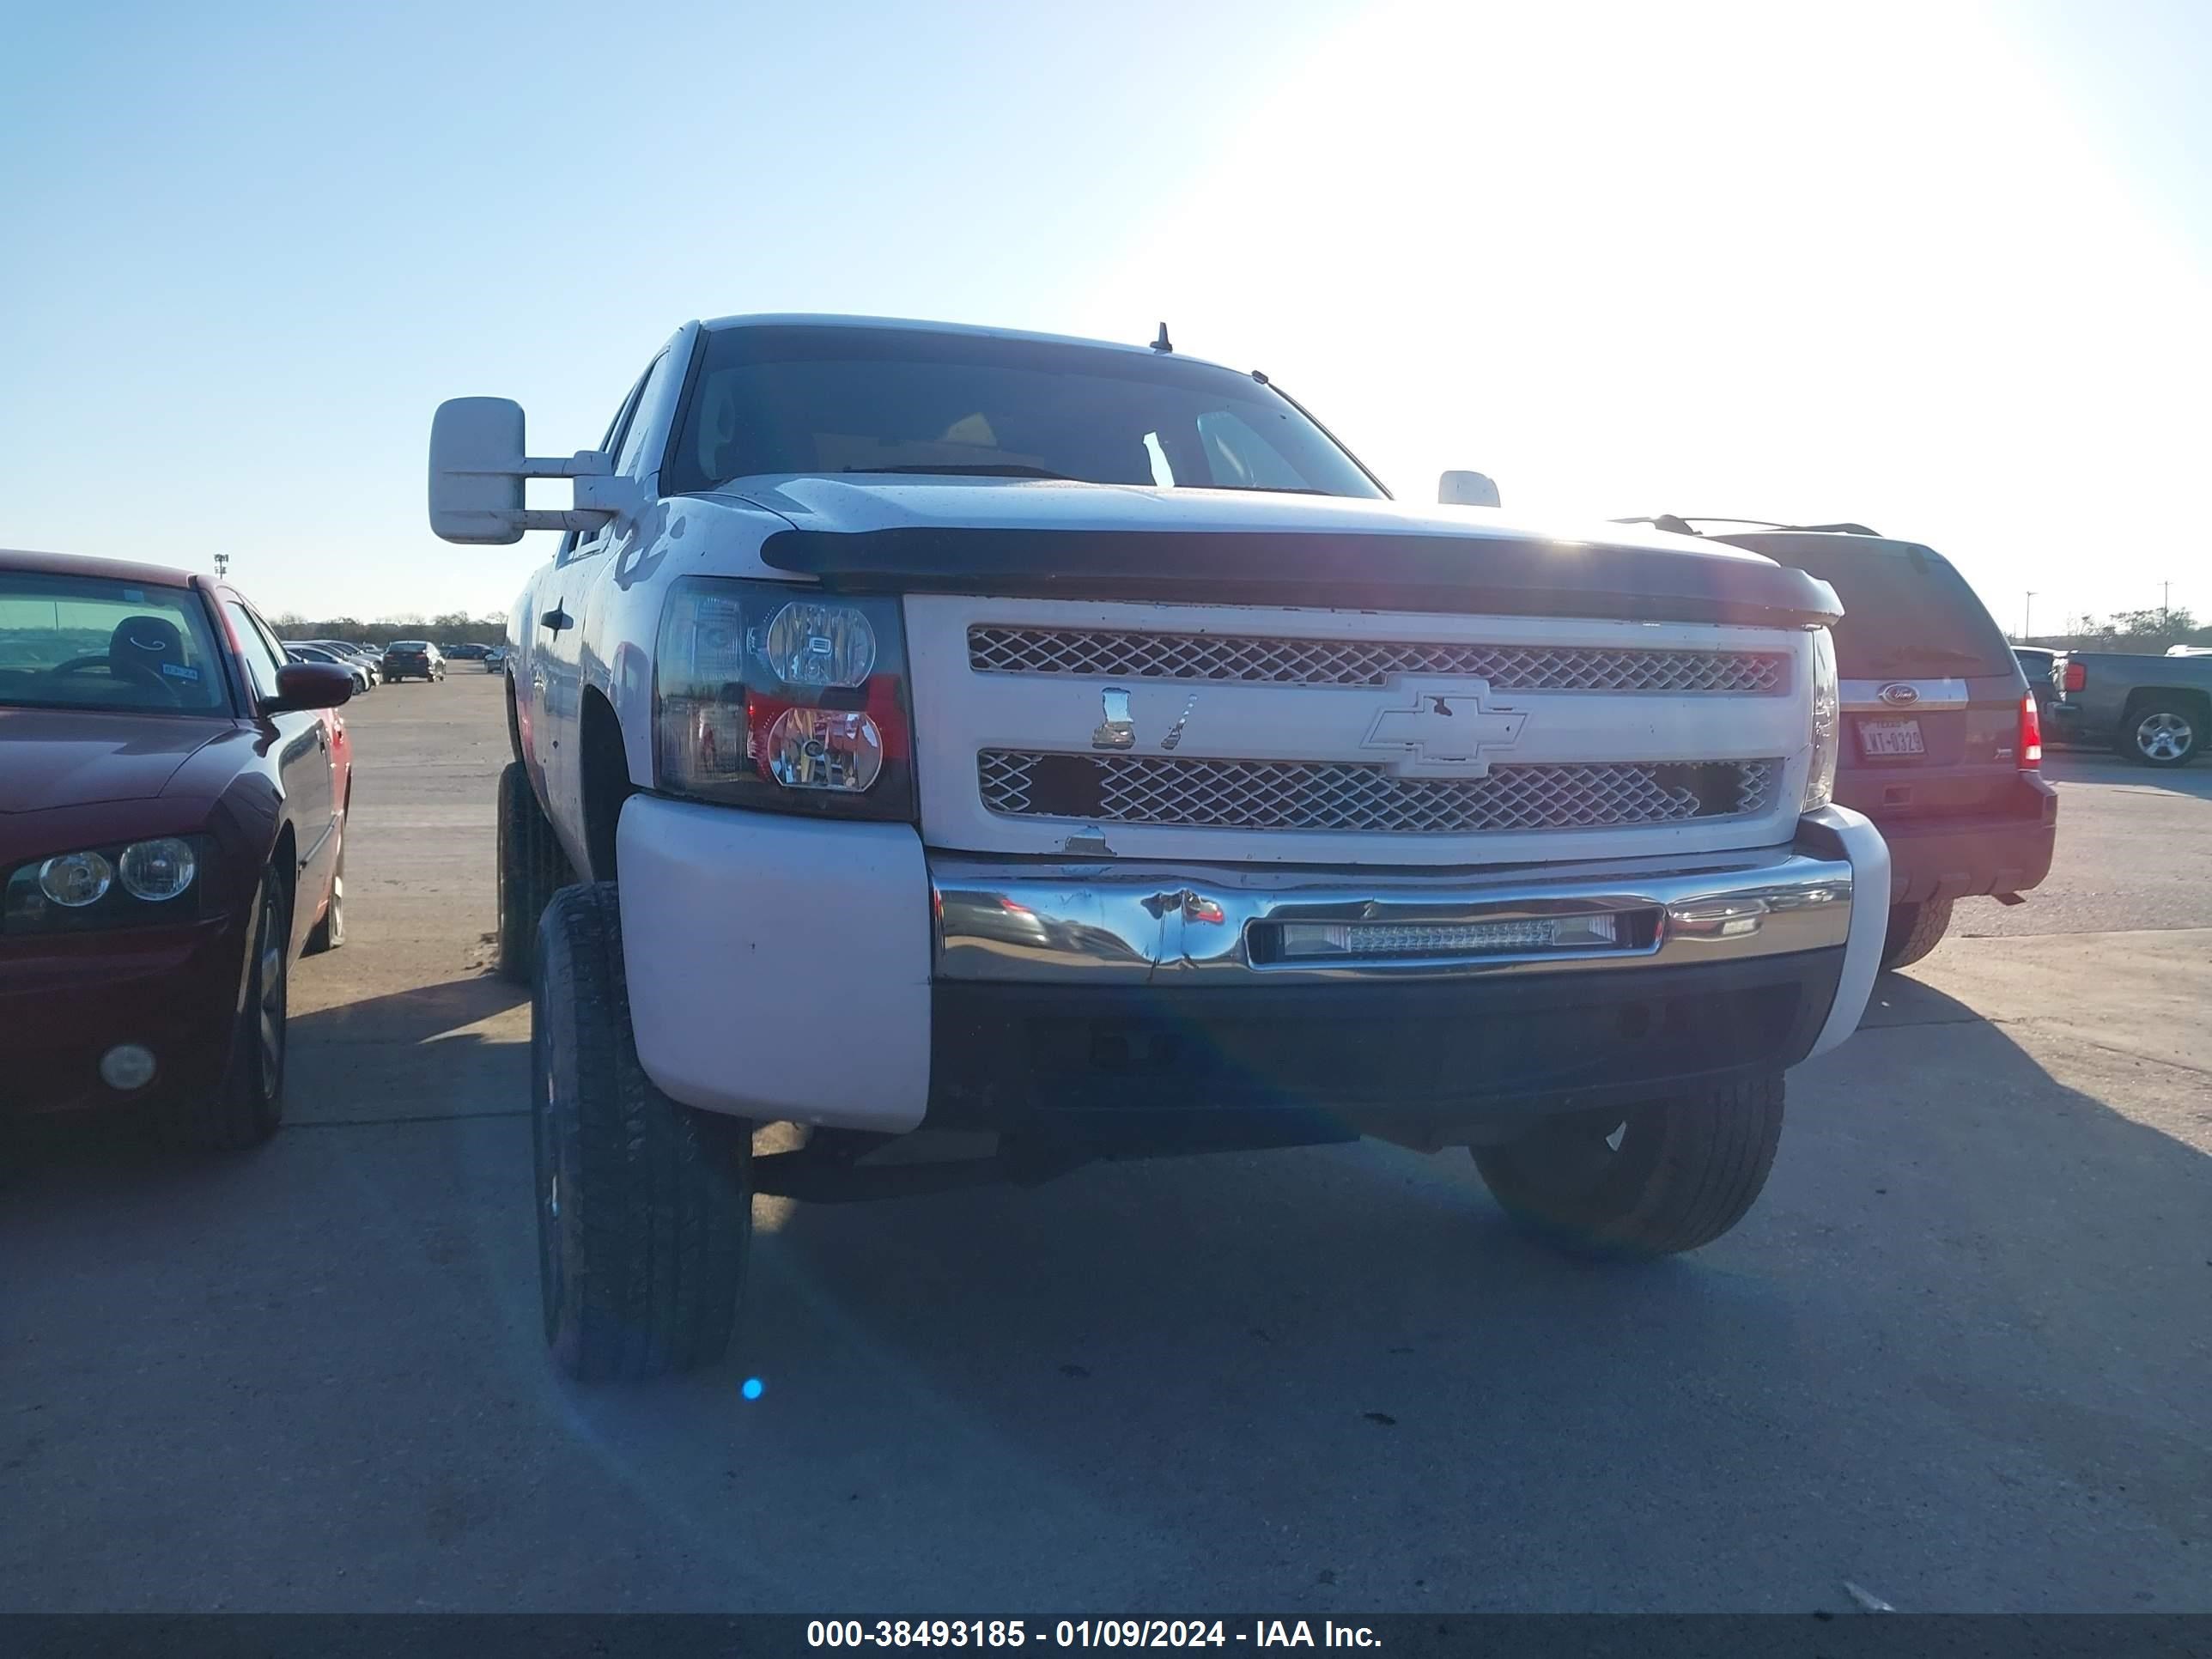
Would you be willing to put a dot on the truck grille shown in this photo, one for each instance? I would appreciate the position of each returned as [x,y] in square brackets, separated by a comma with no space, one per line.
[999,649]
[1236,794]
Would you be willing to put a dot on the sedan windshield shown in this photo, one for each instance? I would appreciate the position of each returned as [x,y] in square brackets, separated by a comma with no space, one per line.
[814,398]
[86,643]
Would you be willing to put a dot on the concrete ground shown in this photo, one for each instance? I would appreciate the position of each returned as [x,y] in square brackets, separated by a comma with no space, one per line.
[1957,1356]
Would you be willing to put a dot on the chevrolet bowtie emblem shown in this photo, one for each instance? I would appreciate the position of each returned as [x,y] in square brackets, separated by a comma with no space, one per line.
[1445,733]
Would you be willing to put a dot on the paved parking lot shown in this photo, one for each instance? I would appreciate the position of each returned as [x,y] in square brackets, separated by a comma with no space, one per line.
[1958,1355]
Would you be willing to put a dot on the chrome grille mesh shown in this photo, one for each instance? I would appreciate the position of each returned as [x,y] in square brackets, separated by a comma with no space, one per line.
[1241,794]
[999,649]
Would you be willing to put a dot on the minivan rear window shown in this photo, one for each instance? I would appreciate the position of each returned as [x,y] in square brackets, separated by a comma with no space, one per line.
[1905,611]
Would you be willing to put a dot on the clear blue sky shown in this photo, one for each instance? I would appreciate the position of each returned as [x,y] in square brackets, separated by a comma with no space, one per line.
[1944,269]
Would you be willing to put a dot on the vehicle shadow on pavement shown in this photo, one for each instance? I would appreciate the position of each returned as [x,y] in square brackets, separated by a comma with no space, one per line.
[1960,1263]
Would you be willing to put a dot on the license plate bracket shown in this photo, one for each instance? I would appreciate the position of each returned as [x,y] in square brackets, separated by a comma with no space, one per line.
[1890,739]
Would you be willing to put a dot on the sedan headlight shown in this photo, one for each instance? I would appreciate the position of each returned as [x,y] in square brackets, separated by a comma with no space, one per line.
[134,884]
[1827,723]
[158,871]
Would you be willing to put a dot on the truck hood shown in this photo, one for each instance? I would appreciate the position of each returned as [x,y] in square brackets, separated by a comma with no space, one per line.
[76,758]
[1063,540]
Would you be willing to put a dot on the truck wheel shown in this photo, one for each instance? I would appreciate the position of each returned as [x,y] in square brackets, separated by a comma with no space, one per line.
[532,869]
[248,1104]
[2159,733]
[1662,1176]
[644,1205]
[1914,931]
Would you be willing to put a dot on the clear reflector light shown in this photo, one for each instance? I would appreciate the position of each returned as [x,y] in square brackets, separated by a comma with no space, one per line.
[806,643]
[75,879]
[157,870]
[832,749]
[1309,941]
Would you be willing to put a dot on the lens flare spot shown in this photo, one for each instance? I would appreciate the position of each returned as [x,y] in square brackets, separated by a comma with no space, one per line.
[753,1387]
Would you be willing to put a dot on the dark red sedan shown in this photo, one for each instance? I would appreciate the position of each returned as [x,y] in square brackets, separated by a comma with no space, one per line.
[172,807]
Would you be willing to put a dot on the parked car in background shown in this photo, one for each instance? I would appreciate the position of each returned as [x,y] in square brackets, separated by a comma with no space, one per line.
[1943,739]
[2154,710]
[2039,665]
[173,796]
[495,660]
[413,660]
[299,651]
[371,660]
[465,652]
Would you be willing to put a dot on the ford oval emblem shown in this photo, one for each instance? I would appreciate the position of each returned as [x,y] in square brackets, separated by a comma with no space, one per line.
[1899,696]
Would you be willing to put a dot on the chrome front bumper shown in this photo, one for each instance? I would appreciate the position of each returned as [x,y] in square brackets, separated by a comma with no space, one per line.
[1034,922]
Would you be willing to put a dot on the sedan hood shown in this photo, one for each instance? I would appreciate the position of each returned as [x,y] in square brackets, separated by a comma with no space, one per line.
[1066,540]
[75,757]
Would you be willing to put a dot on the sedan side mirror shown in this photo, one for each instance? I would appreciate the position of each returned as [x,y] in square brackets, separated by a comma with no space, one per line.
[1466,489]
[309,685]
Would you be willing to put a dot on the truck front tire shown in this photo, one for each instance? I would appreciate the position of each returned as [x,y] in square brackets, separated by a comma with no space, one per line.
[532,869]
[1914,931]
[644,1205]
[1660,1177]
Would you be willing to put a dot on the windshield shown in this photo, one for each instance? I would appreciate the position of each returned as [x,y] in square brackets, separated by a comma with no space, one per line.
[812,398]
[83,642]
[417,646]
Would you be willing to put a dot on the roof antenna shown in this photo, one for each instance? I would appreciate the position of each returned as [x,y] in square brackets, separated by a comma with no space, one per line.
[1161,344]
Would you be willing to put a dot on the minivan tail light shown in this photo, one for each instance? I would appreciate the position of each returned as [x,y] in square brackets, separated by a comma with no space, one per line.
[2077,676]
[2030,733]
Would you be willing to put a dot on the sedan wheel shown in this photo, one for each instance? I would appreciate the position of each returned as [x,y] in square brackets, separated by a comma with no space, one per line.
[245,1107]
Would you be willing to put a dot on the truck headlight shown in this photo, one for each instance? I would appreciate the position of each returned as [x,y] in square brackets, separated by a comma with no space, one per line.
[773,695]
[1827,723]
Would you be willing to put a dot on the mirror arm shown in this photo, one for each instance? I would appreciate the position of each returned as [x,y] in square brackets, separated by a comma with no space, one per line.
[601,497]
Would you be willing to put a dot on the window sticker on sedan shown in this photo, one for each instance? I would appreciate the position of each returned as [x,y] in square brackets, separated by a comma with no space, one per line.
[177,671]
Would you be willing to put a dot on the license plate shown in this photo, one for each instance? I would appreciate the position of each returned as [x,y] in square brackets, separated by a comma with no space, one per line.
[1881,739]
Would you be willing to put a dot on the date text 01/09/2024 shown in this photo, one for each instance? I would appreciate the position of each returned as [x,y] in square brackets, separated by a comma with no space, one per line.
[1083,1633]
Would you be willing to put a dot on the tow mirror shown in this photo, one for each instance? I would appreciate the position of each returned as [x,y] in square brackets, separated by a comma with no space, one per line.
[309,685]
[1466,489]
[478,465]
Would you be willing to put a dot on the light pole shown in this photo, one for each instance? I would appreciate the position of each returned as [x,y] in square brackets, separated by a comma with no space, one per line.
[221,566]
[2027,610]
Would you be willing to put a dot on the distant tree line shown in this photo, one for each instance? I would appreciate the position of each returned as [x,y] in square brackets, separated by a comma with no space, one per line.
[2149,632]
[453,627]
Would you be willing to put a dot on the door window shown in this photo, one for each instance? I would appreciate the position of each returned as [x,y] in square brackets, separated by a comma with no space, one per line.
[261,653]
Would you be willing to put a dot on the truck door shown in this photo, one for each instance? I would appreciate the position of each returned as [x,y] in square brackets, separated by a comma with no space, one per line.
[565,597]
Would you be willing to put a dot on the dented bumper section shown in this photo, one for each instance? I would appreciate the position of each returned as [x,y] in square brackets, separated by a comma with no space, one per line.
[1112,924]
[845,976]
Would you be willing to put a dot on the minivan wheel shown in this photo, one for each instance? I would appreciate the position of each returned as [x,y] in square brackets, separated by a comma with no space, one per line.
[1914,931]
[2161,734]
[1645,1179]
[644,1205]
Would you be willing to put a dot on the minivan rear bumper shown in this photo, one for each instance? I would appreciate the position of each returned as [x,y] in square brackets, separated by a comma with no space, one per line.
[1942,858]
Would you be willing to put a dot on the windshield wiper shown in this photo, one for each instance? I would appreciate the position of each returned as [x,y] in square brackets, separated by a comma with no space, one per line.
[980,469]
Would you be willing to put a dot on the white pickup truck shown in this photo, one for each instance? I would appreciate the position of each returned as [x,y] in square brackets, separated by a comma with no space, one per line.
[926,729]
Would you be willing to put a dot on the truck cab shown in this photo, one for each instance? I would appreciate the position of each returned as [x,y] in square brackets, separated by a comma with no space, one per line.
[930,736]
